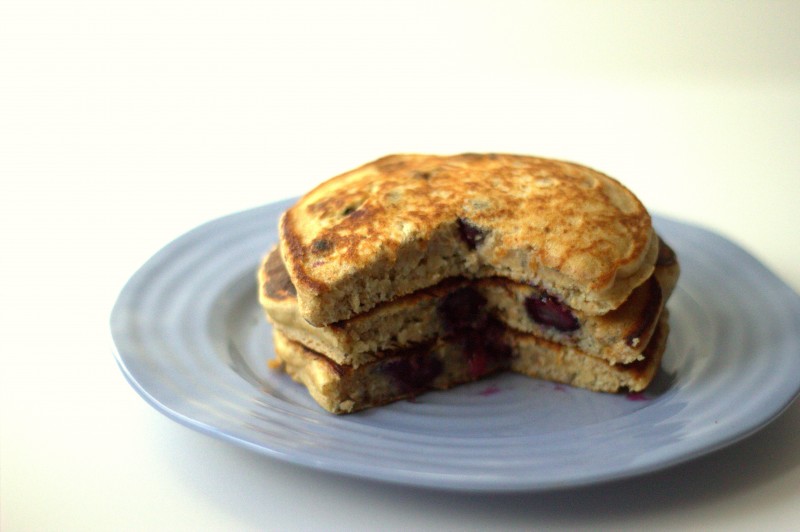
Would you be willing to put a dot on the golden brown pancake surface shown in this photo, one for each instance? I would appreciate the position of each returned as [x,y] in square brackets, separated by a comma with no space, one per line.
[404,222]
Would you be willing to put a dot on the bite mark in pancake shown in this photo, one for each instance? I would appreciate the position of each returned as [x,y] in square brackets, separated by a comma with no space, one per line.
[421,316]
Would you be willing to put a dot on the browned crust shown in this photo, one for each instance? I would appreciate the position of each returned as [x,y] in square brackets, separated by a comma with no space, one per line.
[338,369]
[294,255]
[277,284]
[646,321]
[652,353]
[666,255]
[356,215]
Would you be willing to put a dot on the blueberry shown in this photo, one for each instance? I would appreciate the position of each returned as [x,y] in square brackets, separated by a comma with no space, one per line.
[471,234]
[464,308]
[413,372]
[547,310]
[485,349]
[320,246]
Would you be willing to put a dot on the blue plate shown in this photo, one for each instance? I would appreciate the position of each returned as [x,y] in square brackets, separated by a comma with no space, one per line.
[192,340]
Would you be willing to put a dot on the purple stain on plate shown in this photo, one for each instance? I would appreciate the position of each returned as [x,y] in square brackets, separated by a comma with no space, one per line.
[491,390]
[637,396]
[560,388]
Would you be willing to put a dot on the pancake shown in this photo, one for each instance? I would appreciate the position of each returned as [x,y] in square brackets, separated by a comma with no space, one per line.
[391,376]
[408,222]
[449,362]
[541,359]
[422,272]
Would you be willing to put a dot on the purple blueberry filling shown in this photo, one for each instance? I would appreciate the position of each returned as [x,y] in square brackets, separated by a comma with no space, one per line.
[464,317]
[485,349]
[463,309]
[471,234]
[549,311]
[414,372]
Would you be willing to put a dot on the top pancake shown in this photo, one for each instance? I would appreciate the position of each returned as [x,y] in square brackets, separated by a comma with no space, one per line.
[406,222]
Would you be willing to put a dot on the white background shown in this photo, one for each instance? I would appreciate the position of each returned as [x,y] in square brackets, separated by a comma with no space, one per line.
[124,124]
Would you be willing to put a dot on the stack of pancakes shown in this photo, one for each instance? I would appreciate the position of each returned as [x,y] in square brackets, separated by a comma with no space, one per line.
[418,272]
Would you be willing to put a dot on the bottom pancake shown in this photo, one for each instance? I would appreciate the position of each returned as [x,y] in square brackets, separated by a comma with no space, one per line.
[541,359]
[456,360]
[402,374]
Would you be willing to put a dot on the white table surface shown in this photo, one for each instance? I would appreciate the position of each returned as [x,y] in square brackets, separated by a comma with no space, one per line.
[124,124]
